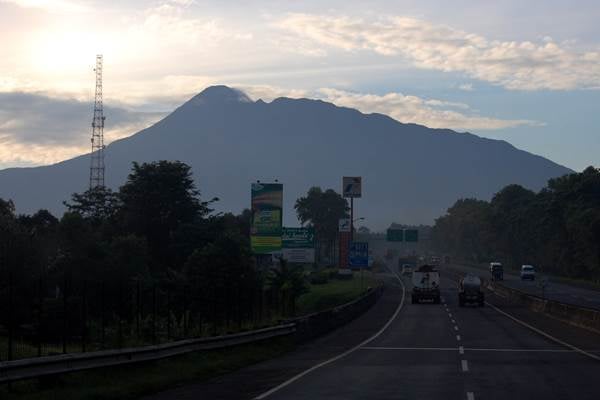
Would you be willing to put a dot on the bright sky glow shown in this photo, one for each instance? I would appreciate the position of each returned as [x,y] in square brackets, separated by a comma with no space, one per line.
[527,73]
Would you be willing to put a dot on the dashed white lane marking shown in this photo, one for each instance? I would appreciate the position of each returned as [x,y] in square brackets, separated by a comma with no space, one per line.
[458,337]
[470,396]
[342,355]
[453,321]
[462,349]
[525,324]
[455,327]
[464,365]
[450,315]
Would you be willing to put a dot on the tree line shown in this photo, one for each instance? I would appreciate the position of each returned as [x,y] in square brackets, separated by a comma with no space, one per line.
[556,229]
[153,253]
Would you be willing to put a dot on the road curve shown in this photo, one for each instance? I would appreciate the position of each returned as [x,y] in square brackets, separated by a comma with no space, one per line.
[449,352]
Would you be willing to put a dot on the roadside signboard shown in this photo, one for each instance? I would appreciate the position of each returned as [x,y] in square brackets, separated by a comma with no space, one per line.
[359,254]
[352,186]
[298,245]
[395,235]
[344,249]
[411,235]
[267,205]
[344,225]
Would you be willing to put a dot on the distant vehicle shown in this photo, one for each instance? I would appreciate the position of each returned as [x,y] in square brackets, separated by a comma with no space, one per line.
[407,269]
[426,284]
[527,272]
[434,260]
[469,291]
[497,271]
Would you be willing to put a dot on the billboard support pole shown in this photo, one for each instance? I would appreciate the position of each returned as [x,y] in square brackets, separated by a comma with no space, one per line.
[351,219]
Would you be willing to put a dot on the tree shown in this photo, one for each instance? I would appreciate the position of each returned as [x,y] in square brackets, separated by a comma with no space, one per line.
[322,211]
[290,283]
[98,204]
[157,200]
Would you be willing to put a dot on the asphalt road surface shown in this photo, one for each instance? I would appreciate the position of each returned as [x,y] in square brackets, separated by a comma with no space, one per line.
[554,290]
[424,351]
[444,351]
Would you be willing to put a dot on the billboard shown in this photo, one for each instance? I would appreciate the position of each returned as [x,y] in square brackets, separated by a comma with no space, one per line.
[359,254]
[344,225]
[298,245]
[351,186]
[267,205]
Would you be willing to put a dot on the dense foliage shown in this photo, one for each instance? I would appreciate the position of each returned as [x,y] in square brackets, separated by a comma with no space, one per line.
[557,229]
[322,210]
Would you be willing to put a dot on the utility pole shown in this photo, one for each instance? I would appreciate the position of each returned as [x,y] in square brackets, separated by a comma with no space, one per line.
[97,162]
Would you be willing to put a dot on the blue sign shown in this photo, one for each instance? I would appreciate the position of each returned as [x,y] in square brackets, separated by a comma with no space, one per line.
[359,254]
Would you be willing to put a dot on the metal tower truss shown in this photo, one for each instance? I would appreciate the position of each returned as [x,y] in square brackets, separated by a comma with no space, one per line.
[97,164]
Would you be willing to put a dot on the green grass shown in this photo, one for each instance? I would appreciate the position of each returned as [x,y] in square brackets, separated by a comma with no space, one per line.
[129,382]
[334,293]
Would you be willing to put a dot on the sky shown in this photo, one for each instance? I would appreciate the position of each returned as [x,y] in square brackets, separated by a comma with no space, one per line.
[527,72]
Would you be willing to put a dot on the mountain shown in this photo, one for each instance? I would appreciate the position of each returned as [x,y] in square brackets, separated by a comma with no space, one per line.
[411,173]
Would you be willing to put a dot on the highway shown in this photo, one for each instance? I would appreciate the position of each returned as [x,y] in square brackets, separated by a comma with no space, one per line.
[399,350]
[446,352]
[558,291]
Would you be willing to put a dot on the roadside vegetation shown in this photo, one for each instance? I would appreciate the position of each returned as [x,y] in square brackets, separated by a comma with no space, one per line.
[556,229]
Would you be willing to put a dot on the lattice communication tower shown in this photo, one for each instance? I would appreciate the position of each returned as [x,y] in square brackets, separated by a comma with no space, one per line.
[97,165]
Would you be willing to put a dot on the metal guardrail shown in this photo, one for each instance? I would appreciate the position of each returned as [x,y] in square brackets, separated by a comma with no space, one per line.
[11,371]
[305,327]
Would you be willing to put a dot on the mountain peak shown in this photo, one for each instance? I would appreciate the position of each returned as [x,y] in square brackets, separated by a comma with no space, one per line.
[220,94]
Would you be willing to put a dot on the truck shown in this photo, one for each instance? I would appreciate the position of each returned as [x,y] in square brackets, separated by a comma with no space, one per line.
[497,271]
[469,291]
[426,284]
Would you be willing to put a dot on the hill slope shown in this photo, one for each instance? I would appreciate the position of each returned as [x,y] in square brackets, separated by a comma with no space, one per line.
[411,173]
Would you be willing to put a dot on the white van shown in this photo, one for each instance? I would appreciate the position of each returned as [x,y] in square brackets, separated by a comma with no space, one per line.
[527,272]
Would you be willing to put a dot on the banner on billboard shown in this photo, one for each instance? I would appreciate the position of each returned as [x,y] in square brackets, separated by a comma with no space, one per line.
[298,245]
[267,205]
[351,186]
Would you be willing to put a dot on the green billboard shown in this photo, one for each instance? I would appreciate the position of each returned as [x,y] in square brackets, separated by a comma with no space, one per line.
[395,235]
[298,238]
[267,205]
[411,235]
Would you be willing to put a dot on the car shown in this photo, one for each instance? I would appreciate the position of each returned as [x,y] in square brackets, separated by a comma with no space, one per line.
[527,272]
[407,269]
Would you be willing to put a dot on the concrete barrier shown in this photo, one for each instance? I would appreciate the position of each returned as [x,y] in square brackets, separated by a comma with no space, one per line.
[313,325]
[582,317]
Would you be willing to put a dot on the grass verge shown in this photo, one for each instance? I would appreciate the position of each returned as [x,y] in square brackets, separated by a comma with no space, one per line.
[334,293]
[131,382]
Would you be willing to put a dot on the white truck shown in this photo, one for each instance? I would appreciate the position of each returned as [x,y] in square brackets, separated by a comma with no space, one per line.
[426,284]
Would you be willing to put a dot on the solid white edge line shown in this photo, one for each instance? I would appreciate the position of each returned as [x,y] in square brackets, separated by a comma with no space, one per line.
[344,354]
[465,365]
[470,396]
[546,335]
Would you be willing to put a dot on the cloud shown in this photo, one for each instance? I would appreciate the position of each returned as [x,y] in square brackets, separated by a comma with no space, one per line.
[467,87]
[50,5]
[514,65]
[38,129]
[433,113]
[413,109]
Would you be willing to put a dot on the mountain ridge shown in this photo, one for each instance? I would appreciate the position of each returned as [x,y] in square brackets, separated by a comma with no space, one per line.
[411,173]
